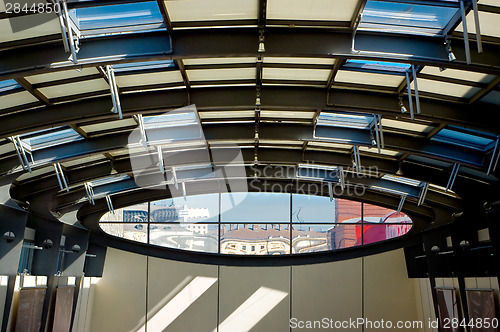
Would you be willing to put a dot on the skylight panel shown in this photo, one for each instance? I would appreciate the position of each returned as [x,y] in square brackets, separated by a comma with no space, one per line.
[121,18]
[467,138]
[377,66]
[110,180]
[401,179]
[48,138]
[144,65]
[8,85]
[406,17]
[169,120]
[346,120]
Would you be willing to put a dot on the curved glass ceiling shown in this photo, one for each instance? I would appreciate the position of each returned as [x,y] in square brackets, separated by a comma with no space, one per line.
[256,223]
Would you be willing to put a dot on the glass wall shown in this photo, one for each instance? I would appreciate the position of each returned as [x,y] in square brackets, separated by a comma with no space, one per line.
[256,223]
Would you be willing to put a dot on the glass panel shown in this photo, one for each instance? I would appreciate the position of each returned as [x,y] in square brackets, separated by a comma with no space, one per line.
[47,138]
[347,211]
[464,139]
[309,208]
[132,66]
[169,120]
[193,237]
[255,207]
[199,208]
[378,214]
[118,18]
[8,85]
[406,18]
[346,120]
[377,233]
[313,238]
[377,65]
[251,239]
[135,213]
[129,231]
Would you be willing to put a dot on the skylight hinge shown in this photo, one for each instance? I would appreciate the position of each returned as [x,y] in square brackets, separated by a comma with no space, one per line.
[70,33]
[423,193]
[144,138]
[90,192]
[342,178]
[415,89]
[160,159]
[174,177]
[115,96]
[494,160]
[184,191]
[453,177]
[22,153]
[110,204]
[379,135]
[401,203]
[356,158]
[63,184]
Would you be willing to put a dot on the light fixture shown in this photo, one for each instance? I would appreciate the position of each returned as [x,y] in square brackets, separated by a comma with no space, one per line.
[262,48]
[435,249]
[401,105]
[9,237]
[451,56]
[399,171]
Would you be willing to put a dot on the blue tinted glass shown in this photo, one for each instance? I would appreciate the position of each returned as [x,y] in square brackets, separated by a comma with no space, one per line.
[113,16]
[460,138]
[8,85]
[143,65]
[405,18]
[377,65]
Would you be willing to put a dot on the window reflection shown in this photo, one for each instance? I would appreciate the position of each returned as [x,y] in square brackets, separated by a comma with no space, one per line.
[256,223]
[255,239]
[194,237]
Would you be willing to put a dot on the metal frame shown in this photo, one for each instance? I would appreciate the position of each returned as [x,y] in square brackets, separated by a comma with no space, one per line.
[453,177]
[70,33]
[90,192]
[61,178]
[115,96]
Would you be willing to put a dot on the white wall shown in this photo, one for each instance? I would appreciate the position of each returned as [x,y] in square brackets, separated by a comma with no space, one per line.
[196,297]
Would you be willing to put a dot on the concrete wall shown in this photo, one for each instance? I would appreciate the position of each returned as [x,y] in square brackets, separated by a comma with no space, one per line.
[176,296]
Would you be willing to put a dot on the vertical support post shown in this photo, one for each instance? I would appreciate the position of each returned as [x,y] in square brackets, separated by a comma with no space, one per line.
[410,101]
[330,191]
[415,85]
[160,159]
[69,31]
[478,27]
[453,176]
[465,33]
[495,150]
[401,203]
[110,204]
[423,193]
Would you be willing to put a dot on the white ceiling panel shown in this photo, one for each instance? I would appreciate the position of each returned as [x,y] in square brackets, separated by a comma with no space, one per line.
[74,88]
[149,78]
[226,114]
[348,76]
[489,24]
[322,10]
[458,74]
[221,74]
[444,88]
[214,10]
[22,27]
[287,114]
[16,99]
[410,126]
[60,75]
[296,74]
[110,125]
[298,60]
[217,61]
